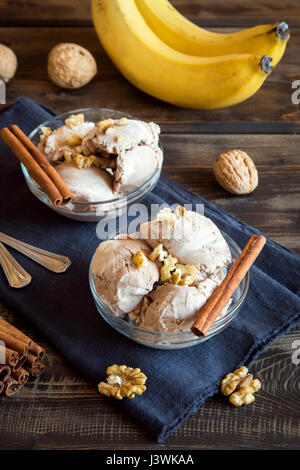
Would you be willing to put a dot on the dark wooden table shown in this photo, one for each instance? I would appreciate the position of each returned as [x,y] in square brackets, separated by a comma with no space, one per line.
[60,410]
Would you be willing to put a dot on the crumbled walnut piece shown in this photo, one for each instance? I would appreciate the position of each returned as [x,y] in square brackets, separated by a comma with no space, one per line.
[187,280]
[168,267]
[180,211]
[68,156]
[78,149]
[105,124]
[176,276]
[166,215]
[123,382]
[122,122]
[158,253]
[75,120]
[74,140]
[184,274]
[46,131]
[242,384]
[140,259]
[232,380]
[81,161]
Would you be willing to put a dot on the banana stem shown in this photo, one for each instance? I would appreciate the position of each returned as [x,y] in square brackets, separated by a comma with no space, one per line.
[266,64]
[283,30]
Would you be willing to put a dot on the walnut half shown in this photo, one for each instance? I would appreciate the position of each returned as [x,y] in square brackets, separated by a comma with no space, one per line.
[123,382]
[242,384]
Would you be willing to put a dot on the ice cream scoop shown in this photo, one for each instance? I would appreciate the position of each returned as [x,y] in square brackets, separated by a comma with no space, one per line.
[190,237]
[173,307]
[136,166]
[87,184]
[117,138]
[118,280]
[56,144]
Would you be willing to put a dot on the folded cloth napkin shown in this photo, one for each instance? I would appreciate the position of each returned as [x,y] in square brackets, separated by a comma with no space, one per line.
[62,309]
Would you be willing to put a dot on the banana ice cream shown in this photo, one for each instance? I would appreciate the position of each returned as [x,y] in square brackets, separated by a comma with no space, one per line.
[120,280]
[115,156]
[180,269]
[87,184]
[190,237]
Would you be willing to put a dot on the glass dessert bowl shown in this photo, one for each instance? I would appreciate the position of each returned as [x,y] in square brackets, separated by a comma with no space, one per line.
[176,339]
[94,211]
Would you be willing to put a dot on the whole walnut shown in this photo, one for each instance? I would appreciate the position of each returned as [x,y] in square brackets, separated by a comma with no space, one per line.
[71,66]
[235,171]
[8,63]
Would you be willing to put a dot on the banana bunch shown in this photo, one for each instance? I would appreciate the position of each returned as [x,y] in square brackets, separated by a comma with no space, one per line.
[170,58]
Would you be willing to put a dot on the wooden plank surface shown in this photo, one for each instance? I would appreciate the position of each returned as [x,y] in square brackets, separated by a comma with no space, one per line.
[207,13]
[109,89]
[59,409]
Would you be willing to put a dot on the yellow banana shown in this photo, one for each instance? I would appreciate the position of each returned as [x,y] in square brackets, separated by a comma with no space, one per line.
[157,69]
[184,36]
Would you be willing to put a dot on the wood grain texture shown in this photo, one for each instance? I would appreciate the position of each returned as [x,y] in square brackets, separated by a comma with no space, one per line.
[59,410]
[271,104]
[207,13]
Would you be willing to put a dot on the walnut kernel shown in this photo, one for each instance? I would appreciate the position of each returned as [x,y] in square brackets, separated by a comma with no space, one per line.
[140,259]
[240,386]
[123,382]
[158,253]
[168,267]
[46,131]
[75,120]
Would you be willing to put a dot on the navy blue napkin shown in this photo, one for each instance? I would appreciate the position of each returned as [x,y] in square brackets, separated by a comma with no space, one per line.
[61,308]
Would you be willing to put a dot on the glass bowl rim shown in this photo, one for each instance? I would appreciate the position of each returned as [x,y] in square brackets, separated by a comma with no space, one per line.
[214,328]
[120,199]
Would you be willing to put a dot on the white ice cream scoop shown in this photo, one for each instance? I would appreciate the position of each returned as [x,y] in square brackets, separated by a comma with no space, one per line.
[87,184]
[191,238]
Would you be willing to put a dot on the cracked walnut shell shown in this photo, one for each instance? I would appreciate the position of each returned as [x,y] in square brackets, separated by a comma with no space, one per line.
[123,382]
[71,66]
[235,171]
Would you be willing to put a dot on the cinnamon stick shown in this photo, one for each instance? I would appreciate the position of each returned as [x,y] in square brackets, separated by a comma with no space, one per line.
[44,164]
[20,362]
[33,347]
[11,387]
[222,294]
[11,357]
[37,370]
[21,375]
[5,372]
[13,342]
[36,349]
[33,168]
[31,360]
